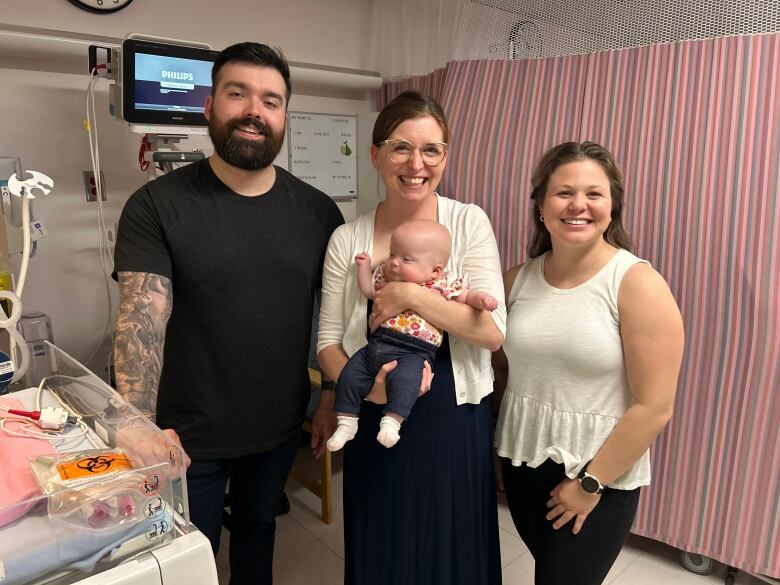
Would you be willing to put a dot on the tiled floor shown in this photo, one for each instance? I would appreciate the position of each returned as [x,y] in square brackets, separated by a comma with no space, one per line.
[309,552]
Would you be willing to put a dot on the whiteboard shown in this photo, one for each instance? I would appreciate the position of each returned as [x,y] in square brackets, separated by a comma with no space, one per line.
[322,150]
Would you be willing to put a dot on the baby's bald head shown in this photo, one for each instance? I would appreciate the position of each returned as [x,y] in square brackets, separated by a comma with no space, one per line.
[425,236]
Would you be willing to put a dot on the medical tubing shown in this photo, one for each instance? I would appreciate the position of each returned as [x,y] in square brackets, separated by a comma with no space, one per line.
[104,249]
[10,323]
[26,245]
[17,341]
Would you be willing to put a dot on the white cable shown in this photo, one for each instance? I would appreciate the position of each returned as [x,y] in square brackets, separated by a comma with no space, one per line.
[86,433]
[26,431]
[62,438]
[104,248]
[100,188]
[29,430]
[95,157]
[38,393]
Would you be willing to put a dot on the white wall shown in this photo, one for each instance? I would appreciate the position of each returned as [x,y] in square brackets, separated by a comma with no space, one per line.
[41,115]
[328,32]
[414,37]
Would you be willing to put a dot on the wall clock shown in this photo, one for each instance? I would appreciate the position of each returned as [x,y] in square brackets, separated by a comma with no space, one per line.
[101,6]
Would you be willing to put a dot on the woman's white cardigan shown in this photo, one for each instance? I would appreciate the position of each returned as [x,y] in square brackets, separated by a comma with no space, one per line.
[474,256]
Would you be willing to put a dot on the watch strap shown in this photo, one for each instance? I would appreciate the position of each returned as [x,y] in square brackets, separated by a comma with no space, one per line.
[584,474]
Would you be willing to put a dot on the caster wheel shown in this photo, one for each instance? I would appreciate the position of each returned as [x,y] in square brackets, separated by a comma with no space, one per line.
[696,563]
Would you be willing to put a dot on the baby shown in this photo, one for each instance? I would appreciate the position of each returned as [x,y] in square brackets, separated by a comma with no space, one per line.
[419,251]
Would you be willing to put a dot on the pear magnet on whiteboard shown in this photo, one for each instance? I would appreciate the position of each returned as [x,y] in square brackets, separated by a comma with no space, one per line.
[38,182]
[345,149]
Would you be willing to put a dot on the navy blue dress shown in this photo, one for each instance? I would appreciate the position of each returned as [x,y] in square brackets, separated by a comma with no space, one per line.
[424,511]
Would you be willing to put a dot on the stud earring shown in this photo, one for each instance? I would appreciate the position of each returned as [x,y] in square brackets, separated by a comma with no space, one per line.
[541,217]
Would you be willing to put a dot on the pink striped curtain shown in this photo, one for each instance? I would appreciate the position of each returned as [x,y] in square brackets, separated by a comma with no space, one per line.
[503,116]
[696,128]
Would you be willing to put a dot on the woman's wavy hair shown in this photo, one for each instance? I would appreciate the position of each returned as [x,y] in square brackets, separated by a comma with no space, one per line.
[568,152]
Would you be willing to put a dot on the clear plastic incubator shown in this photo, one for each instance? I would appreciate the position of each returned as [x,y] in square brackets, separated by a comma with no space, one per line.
[91,491]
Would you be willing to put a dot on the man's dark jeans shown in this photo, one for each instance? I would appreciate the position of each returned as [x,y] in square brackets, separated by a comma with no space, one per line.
[256,486]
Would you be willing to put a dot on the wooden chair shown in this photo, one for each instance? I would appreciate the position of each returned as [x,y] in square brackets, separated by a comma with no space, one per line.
[321,487]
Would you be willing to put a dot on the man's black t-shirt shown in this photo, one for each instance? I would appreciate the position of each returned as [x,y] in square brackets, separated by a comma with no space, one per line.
[244,272]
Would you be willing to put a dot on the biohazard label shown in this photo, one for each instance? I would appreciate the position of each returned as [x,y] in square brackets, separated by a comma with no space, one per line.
[93,466]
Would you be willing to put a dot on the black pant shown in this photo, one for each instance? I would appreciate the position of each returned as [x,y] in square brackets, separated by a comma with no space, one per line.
[563,558]
[256,485]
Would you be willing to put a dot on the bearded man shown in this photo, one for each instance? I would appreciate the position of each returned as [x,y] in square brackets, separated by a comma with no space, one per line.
[239,244]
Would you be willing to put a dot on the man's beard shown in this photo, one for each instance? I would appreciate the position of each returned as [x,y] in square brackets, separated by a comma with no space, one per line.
[246,154]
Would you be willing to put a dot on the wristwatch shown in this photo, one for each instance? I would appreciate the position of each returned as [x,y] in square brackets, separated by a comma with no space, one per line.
[327,385]
[590,483]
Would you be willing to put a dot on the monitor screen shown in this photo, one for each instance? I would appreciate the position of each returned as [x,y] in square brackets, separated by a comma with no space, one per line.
[165,84]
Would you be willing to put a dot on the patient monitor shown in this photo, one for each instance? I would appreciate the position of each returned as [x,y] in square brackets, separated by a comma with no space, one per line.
[159,88]
[161,85]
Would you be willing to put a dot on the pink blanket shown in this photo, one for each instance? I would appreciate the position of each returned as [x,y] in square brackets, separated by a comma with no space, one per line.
[17,482]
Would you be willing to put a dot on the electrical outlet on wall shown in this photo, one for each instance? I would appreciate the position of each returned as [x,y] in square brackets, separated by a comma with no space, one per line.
[90,188]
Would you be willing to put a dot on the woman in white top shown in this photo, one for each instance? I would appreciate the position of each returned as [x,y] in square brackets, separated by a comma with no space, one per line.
[594,345]
[423,512]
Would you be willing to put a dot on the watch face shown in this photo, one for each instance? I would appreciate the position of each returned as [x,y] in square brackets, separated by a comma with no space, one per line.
[590,484]
[101,6]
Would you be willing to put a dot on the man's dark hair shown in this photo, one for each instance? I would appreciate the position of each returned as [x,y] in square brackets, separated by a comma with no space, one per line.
[254,54]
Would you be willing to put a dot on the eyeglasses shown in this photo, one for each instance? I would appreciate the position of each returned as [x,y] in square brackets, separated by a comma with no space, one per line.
[400,151]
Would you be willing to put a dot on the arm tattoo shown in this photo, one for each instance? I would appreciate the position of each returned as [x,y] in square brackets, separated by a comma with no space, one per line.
[144,308]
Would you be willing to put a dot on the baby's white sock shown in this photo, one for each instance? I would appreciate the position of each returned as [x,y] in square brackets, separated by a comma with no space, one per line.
[346,431]
[388,431]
